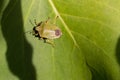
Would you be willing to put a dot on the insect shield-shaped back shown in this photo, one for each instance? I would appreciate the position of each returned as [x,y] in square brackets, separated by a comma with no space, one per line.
[51,32]
[47,31]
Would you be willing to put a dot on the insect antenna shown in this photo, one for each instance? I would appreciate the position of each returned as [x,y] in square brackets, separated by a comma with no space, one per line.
[30,31]
[31,23]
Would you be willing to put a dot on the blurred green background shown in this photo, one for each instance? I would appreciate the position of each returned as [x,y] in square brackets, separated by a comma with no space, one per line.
[89,48]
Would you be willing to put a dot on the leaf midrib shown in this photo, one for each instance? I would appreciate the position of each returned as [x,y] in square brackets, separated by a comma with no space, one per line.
[64,24]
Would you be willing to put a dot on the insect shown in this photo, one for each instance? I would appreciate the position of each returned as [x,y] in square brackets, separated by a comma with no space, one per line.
[47,31]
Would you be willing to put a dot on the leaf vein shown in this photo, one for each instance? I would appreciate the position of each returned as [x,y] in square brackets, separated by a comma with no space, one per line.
[53,62]
[90,41]
[109,6]
[30,7]
[65,25]
[90,19]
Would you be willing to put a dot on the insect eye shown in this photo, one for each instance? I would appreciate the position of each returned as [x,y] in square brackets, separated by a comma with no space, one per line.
[57,32]
[34,28]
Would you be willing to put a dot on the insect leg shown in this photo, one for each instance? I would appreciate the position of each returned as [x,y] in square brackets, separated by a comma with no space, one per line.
[48,19]
[55,19]
[49,41]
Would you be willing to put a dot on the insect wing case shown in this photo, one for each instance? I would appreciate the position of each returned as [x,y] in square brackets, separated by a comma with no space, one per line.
[50,31]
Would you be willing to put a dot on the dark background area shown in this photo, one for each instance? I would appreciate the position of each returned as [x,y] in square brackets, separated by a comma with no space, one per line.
[118,51]
[19,51]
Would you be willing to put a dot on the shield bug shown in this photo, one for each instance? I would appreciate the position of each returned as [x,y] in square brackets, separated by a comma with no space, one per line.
[47,31]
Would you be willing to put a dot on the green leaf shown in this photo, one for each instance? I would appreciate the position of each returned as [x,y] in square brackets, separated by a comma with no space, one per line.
[89,48]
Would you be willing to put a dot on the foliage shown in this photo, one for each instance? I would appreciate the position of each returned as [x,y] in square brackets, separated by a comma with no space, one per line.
[87,50]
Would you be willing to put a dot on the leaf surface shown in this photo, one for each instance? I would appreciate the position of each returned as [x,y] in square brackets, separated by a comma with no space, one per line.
[87,50]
